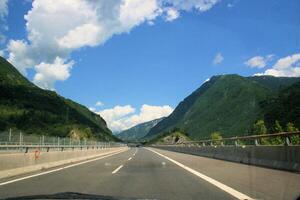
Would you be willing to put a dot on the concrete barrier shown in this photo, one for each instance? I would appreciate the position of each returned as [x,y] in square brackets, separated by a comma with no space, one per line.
[13,164]
[277,157]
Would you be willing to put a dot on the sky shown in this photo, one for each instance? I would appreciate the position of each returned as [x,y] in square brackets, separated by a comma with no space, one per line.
[132,61]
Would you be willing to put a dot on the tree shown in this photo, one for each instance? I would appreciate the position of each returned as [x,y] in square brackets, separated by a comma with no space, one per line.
[259,128]
[216,137]
[290,127]
[277,127]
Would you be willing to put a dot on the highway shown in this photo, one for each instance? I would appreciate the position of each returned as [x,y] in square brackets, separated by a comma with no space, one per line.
[158,174]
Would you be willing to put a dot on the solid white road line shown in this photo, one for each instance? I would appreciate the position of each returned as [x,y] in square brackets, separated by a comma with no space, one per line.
[116,170]
[216,183]
[58,169]
[130,158]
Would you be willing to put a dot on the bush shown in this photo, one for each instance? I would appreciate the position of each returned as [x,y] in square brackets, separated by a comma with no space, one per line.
[216,137]
[290,127]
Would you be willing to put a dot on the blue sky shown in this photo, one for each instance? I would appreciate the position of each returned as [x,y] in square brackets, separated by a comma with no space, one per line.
[142,67]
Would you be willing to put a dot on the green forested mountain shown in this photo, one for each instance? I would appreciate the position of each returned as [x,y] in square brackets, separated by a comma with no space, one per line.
[229,104]
[26,107]
[283,107]
[139,131]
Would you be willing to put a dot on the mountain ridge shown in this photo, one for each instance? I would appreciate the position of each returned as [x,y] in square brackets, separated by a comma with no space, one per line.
[26,107]
[139,131]
[226,103]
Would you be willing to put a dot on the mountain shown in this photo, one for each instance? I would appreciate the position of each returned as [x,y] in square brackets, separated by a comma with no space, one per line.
[283,107]
[26,107]
[229,104]
[139,131]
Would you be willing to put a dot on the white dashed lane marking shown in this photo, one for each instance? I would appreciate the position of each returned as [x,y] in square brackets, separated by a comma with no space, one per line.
[116,170]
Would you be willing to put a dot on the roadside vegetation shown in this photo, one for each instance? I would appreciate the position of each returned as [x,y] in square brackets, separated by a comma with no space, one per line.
[175,136]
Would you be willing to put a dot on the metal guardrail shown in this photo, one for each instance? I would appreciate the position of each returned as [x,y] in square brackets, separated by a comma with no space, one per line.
[286,136]
[47,147]
[18,141]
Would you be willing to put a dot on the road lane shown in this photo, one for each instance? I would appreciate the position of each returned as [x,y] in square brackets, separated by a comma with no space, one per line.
[17,178]
[83,178]
[146,175]
[212,181]
[257,182]
[150,176]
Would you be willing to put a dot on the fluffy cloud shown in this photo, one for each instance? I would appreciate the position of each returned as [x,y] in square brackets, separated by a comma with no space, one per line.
[288,66]
[123,117]
[187,5]
[259,61]
[171,14]
[19,55]
[56,28]
[218,59]
[113,116]
[135,12]
[99,103]
[92,109]
[48,73]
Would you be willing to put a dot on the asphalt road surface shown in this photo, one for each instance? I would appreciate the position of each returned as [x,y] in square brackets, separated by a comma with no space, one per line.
[159,174]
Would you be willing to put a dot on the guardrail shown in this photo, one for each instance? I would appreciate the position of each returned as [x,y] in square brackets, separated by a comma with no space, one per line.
[18,141]
[47,147]
[244,140]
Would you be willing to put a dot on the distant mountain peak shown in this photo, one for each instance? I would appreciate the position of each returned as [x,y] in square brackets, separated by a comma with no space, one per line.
[139,131]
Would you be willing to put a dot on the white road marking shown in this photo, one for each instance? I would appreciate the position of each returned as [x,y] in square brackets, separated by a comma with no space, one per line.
[58,169]
[163,163]
[116,170]
[216,183]
[130,158]
[135,151]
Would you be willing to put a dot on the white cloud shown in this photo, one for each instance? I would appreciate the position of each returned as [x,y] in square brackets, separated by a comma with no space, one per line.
[48,73]
[121,118]
[259,61]
[92,109]
[3,8]
[218,59]
[171,14]
[85,35]
[99,103]
[18,55]
[113,116]
[187,5]
[3,14]
[56,28]
[288,66]
[135,12]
